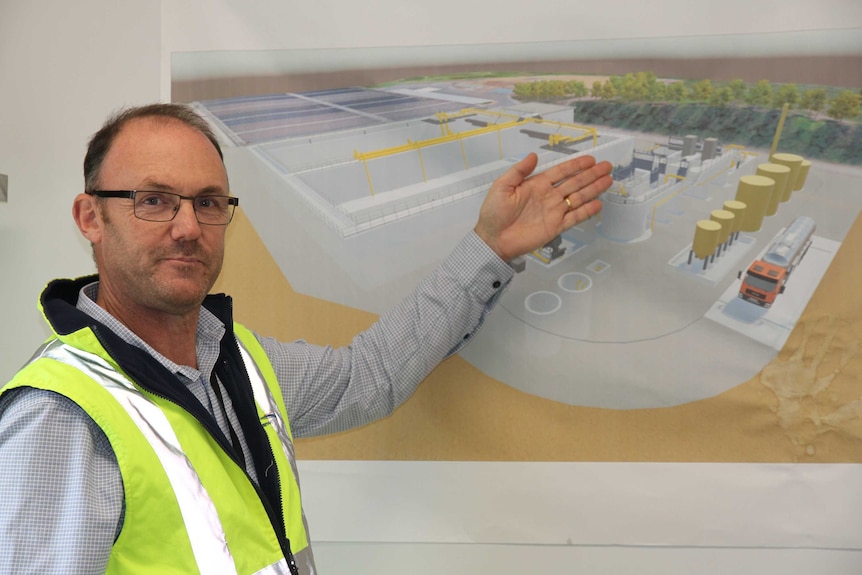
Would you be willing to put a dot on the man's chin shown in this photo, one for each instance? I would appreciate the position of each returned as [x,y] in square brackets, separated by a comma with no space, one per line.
[184,296]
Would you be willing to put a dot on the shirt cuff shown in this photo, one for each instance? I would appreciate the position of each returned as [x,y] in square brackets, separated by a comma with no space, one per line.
[481,271]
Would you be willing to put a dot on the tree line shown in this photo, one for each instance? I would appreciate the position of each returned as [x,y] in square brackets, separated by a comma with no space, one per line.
[645,87]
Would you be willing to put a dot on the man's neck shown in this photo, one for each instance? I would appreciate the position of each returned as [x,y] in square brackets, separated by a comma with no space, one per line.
[173,336]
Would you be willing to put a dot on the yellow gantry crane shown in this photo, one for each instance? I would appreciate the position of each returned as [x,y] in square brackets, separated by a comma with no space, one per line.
[447,135]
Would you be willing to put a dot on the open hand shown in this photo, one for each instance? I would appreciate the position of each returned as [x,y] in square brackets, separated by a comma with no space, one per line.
[523,212]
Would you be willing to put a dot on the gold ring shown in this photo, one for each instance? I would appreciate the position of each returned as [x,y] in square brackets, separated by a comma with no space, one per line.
[568,202]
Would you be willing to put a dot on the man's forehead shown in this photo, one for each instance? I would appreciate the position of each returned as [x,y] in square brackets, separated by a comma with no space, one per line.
[156,125]
[148,144]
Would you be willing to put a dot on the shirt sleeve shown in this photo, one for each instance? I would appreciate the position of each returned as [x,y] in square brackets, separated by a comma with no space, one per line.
[61,493]
[327,390]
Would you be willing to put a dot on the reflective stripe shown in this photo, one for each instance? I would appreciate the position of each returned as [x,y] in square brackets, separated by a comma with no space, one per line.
[265,400]
[279,568]
[304,558]
[203,527]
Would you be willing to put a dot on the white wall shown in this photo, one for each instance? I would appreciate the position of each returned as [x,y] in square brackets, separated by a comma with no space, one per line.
[65,65]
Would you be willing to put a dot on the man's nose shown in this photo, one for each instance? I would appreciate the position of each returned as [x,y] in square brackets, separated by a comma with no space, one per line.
[186,220]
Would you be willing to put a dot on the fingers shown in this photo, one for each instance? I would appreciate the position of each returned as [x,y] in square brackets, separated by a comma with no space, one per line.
[581,213]
[519,172]
[588,184]
[581,190]
[565,170]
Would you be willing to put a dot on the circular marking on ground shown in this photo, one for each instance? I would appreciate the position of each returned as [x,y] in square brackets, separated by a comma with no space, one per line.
[574,282]
[542,302]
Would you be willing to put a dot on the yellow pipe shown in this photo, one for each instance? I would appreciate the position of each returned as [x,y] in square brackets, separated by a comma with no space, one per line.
[367,175]
[464,154]
[422,164]
[778,130]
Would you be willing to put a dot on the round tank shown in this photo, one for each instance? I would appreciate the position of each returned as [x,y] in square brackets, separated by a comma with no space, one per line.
[804,167]
[705,238]
[725,218]
[625,222]
[710,147]
[792,161]
[755,191]
[737,208]
[781,175]
[689,145]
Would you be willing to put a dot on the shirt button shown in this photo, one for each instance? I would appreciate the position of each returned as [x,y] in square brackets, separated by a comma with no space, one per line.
[496,284]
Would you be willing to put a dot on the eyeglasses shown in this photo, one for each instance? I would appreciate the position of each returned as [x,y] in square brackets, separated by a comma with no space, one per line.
[163,206]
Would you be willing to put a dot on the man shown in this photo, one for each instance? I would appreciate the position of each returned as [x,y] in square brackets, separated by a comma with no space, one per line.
[152,433]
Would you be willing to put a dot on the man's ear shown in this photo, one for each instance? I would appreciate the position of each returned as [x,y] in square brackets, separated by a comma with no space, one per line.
[88,217]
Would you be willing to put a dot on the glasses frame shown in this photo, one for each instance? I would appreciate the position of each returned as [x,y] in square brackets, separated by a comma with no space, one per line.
[130,195]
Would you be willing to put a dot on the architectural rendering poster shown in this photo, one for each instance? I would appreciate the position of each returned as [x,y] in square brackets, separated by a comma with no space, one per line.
[706,315]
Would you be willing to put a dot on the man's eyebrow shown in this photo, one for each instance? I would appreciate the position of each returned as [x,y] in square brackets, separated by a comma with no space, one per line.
[213,191]
[157,186]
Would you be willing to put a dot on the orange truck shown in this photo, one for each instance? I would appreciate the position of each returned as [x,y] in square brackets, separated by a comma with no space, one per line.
[767,277]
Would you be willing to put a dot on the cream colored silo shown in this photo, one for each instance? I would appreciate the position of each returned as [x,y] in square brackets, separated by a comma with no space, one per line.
[705,242]
[781,174]
[804,167]
[755,191]
[792,161]
[737,208]
[725,218]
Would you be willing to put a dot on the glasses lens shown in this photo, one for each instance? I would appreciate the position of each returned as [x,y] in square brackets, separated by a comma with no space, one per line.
[163,206]
[216,210]
[156,206]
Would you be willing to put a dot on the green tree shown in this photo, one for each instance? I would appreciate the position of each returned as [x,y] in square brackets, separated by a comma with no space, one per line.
[576,88]
[632,88]
[657,92]
[760,94]
[701,91]
[598,88]
[721,97]
[557,89]
[786,94]
[523,91]
[814,99]
[609,92]
[540,89]
[845,105]
[676,92]
[737,88]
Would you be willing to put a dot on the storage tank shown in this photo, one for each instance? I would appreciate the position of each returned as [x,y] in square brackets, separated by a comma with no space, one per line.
[781,175]
[725,218]
[705,242]
[804,167]
[738,209]
[710,147]
[689,145]
[755,191]
[792,161]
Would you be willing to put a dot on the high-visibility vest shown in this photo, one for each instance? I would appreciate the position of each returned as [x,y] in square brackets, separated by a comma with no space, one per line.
[189,508]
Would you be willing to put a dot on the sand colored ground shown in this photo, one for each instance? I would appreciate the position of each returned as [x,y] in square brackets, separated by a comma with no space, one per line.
[805,406]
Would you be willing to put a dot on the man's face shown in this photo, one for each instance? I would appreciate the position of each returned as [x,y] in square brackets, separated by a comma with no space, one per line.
[158,266]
